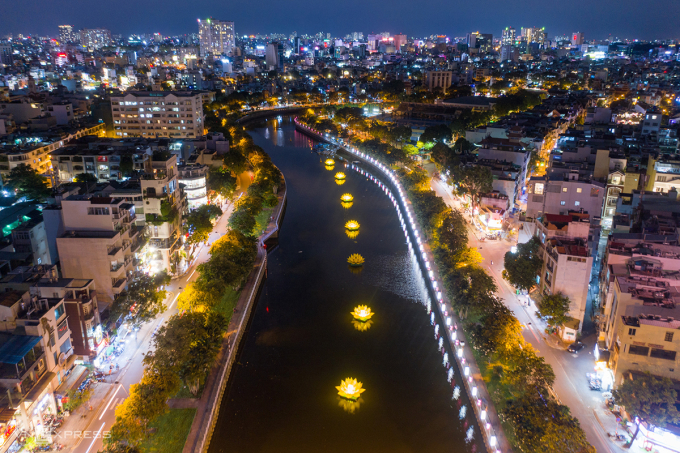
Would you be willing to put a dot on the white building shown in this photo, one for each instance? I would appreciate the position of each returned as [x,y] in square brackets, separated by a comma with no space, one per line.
[564,193]
[193,177]
[216,37]
[173,114]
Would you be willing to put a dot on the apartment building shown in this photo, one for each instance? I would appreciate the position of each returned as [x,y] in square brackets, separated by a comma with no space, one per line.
[100,241]
[193,178]
[217,37]
[173,114]
[639,321]
[567,264]
[560,193]
[34,150]
[104,159]
[82,309]
[438,79]
[35,353]
[665,175]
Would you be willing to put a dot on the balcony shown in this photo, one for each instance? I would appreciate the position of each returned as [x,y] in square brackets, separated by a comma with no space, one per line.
[118,285]
[113,251]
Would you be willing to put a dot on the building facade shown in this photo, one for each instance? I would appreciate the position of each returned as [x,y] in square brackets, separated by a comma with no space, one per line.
[216,37]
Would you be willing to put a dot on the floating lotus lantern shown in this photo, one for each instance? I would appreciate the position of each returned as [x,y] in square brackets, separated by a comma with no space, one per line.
[352,225]
[362,313]
[346,198]
[352,234]
[362,326]
[339,175]
[329,162]
[350,389]
[355,260]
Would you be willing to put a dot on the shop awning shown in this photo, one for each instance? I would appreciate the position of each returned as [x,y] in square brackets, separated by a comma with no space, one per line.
[38,388]
[6,414]
[73,380]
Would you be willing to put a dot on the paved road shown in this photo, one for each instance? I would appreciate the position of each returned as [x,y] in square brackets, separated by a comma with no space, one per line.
[570,385]
[131,360]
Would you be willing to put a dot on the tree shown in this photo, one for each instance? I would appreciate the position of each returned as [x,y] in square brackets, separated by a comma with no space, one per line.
[195,298]
[473,181]
[444,156]
[231,260]
[26,182]
[522,267]
[85,177]
[555,307]
[453,235]
[437,133]
[199,223]
[222,182]
[235,161]
[187,346]
[650,398]
[143,300]
[243,221]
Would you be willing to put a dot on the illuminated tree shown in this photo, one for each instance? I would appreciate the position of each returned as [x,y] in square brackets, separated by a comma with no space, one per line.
[522,267]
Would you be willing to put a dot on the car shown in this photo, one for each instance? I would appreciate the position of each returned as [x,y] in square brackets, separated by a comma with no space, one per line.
[576,347]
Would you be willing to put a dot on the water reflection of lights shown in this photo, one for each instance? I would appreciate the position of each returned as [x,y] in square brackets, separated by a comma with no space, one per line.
[329,167]
[352,234]
[350,388]
[349,405]
[422,256]
[362,326]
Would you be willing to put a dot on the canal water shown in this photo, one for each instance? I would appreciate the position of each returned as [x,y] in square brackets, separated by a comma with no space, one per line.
[302,341]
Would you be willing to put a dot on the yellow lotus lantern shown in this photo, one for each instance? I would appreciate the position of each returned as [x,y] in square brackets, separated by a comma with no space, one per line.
[346,198]
[350,389]
[352,225]
[329,162]
[362,326]
[352,234]
[340,175]
[355,260]
[362,313]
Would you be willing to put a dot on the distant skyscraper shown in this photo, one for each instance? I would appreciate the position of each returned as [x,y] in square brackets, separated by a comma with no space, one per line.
[66,34]
[481,41]
[577,39]
[274,57]
[216,37]
[6,55]
[95,38]
[509,36]
[399,40]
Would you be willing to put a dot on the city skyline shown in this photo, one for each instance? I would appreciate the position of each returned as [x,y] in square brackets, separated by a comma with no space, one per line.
[626,19]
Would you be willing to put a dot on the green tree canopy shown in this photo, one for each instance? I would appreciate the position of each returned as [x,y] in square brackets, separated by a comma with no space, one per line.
[199,223]
[473,180]
[522,267]
[85,177]
[235,161]
[143,299]
[27,183]
[556,307]
[222,182]
[231,260]
[650,398]
[437,133]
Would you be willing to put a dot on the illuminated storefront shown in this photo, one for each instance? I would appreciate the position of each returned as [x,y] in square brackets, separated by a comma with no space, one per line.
[654,439]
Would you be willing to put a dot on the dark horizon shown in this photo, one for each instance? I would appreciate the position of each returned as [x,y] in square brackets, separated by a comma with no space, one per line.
[624,19]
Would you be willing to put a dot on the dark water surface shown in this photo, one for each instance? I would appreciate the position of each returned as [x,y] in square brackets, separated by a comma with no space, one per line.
[302,342]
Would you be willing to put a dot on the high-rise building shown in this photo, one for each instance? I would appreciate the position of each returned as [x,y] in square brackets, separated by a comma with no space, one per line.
[481,41]
[274,57]
[66,34]
[95,38]
[6,55]
[534,34]
[399,40]
[508,36]
[216,37]
[577,39]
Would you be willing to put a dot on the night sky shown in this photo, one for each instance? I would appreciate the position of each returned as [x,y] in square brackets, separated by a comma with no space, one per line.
[598,19]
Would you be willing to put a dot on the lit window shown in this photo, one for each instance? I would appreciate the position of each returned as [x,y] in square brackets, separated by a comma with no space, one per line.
[564,189]
[577,203]
[578,190]
[563,203]
[538,188]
